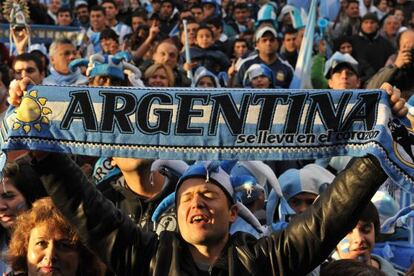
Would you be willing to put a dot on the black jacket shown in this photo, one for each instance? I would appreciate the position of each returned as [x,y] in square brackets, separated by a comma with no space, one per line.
[128,250]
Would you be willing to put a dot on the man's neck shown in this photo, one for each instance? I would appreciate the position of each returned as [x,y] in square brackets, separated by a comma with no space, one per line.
[112,22]
[268,59]
[139,181]
[207,254]
[97,30]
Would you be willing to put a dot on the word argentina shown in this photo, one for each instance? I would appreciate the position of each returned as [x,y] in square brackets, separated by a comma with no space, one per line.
[202,114]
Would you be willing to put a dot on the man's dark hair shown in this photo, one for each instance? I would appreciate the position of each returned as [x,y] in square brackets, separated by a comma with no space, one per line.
[29,57]
[64,9]
[109,1]
[290,30]
[352,1]
[205,27]
[98,8]
[215,21]
[349,267]
[370,214]
[196,6]
[341,40]
[108,33]
[241,6]
[140,13]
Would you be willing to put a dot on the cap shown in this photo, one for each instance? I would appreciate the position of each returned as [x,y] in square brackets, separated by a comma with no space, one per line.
[212,172]
[79,3]
[370,16]
[285,10]
[260,32]
[256,70]
[340,59]
[311,179]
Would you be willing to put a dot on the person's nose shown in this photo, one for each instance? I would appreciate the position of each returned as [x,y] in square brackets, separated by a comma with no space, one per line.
[197,201]
[51,252]
[357,236]
[3,205]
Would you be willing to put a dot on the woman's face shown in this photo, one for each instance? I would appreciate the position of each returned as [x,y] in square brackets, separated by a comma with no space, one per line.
[206,82]
[158,79]
[261,82]
[50,252]
[12,203]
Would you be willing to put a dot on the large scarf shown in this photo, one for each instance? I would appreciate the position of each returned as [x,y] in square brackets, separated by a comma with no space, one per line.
[194,124]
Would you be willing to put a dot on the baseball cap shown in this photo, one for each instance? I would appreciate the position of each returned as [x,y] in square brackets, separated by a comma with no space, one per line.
[260,32]
[79,3]
[338,59]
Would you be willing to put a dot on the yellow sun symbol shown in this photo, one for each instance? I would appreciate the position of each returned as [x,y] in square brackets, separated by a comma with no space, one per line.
[31,112]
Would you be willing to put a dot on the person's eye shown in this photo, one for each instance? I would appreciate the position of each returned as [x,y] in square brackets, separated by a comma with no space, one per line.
[41,243]
[8,195]
[209,195]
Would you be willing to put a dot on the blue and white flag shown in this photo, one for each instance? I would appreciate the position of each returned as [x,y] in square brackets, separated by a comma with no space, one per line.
[329,9]
[301,77]
[212,124]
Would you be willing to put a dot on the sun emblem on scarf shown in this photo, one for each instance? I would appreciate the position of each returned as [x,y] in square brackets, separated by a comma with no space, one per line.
[31,112]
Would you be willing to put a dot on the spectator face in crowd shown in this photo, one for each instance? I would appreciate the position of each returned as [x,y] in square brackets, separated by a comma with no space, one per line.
[204,213]
[352,10]
[198,13]
[241,14]
[109,46]
[109,41]
[12,203]
[302,201]
[64,18]
[360,241]
[166,53]
[61,54]
[341,70]
[299,38]
[344,77]
[82,13]
[204,37]
[391,26]
[240,48]
[166,10]
[54,6]
[159,75]
[383,6]
[97,19]
[345,48]
[19,188]
[289,41]
[261,82]
[111,11]
[207,82]
[26,65]
[192,28]
[369,26]
[399,13]
[138,21]
[267,44]
[43,243]
[208,10]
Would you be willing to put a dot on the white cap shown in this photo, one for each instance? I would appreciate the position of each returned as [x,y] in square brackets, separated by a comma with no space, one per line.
[260,32]
[80,3]
[337,59]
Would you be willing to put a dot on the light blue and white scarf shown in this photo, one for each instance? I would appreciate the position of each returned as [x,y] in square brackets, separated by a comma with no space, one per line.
[212,124]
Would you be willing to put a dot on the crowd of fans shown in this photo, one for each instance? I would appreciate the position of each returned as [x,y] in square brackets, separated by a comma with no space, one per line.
[120,216]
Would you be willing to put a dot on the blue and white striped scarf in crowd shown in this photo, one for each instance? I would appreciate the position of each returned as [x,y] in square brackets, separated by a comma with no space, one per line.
[223,124]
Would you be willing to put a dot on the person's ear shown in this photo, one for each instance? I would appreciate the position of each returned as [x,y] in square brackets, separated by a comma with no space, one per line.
[234,211]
